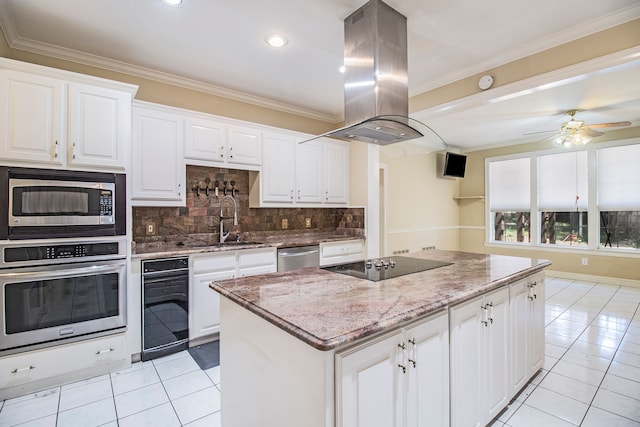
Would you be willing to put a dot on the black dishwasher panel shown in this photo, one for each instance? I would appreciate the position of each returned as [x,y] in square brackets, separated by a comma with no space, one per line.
[165,311]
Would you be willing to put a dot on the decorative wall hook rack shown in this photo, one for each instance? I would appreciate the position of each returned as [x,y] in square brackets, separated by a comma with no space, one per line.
[227,187]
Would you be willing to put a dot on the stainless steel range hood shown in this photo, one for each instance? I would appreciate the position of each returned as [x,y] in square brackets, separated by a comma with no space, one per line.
[375,81]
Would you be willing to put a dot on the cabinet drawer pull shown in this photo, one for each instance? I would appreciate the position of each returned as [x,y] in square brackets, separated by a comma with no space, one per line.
[55,150]
[412,355]
[106,350]
[26,368]
[490,305]
[73,151]
[402,356]
[485,320]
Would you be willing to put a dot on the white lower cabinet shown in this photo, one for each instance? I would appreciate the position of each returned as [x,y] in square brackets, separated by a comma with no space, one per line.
[204,302]
[35,370]
[401,379]
[341,251]
[480,359]
[527,329]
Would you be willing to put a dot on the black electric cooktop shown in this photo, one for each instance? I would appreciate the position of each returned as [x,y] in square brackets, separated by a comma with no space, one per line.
[385,268]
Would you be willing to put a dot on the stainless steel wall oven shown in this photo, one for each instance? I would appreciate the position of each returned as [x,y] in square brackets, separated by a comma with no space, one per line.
[47,203]
[60,291]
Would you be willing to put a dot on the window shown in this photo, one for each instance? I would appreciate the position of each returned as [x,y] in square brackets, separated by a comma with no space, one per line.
[510,189]
[619,196]
[563,198]
[583,198]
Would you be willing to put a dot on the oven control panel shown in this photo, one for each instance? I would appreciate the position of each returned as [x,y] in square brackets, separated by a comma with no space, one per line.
[20,254]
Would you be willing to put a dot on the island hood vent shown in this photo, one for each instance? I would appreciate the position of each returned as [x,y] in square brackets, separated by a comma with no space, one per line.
[376,80]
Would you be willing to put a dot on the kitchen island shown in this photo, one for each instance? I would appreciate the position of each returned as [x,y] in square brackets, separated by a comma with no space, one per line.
[287,339]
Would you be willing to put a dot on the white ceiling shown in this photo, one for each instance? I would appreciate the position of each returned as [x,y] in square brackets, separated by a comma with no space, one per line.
[218,46]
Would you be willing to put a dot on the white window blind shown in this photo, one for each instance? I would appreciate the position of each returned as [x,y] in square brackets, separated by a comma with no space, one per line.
[510,185]
[561,179]
[619,178]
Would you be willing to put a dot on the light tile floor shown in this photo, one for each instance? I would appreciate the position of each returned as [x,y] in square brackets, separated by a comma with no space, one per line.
[166,392]
[591,376]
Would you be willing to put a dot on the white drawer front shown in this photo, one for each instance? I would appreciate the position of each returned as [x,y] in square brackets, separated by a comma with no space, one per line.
[208,263]
[257,257]
[23,368]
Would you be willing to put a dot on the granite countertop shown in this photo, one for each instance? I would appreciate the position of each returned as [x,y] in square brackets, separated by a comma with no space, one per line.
[191,246]
[329,310]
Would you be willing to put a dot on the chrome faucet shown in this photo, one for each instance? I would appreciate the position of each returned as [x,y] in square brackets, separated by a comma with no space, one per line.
[223,236]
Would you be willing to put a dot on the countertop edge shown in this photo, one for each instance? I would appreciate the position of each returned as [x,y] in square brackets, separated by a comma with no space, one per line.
[389,325]
[171,250]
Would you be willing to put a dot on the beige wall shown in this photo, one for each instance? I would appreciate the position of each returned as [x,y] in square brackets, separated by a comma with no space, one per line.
[594,46]
[420,207]
[472,219]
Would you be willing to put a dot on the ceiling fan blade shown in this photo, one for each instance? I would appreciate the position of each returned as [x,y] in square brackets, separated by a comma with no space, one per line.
[550,138]
[542,131]
[590,132]
[609,125]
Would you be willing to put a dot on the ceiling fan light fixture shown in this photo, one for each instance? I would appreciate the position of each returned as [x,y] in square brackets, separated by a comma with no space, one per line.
[574,124]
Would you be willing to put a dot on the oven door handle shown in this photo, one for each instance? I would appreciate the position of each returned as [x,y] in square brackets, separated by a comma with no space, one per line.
[59,272]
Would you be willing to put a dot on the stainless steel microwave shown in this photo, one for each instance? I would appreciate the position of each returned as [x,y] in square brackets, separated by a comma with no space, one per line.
[47,203]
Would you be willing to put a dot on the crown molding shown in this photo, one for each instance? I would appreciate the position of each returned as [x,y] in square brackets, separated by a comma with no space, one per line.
[16,42]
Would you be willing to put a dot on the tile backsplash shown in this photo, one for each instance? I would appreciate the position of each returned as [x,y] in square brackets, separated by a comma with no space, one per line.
[201,215]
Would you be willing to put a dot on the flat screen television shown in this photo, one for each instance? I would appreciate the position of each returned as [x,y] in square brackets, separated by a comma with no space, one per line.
[454,165]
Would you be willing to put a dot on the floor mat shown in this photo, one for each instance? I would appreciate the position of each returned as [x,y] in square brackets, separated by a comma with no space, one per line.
[206,355]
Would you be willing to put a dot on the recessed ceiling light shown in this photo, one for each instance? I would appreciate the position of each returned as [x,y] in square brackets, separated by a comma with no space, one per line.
[174,3]
[276,40]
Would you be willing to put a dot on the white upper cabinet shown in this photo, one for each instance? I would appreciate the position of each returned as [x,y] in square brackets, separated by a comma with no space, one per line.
[204,139]
[309,161]
[158,171]
[99,126]
[312,174]
[31,118]
[336,172]
[53,118]
[278,169]
[245,146]
[212,143]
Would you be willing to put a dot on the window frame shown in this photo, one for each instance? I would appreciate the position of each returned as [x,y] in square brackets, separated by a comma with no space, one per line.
[593,212]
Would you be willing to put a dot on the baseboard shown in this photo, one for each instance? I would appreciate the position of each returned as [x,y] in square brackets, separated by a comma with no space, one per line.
[591,278]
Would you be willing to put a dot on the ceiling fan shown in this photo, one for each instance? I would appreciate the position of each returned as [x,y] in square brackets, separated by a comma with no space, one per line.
[576,132]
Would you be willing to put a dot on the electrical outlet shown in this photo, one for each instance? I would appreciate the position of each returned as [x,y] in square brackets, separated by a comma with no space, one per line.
[307,223]
[151,228]
[585,261]
[285,223]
